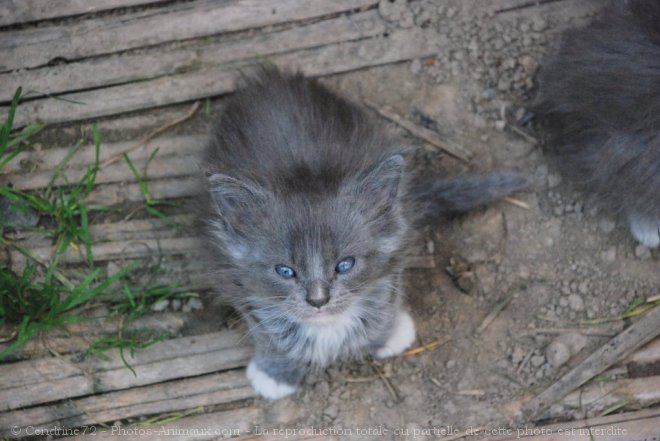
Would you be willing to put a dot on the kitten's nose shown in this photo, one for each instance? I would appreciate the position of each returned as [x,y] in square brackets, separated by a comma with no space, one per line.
[318,295]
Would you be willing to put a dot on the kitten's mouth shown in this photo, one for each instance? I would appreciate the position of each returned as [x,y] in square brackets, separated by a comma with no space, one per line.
[321,316]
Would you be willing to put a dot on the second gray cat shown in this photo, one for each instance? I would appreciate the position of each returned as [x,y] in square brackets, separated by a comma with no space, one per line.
[600,98]
[310,212]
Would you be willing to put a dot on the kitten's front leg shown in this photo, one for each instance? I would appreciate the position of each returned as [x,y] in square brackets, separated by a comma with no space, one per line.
[645,230]
[273,377]
[401,339]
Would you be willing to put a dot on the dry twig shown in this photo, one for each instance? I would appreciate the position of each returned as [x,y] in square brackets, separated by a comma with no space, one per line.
[427,135]
[426,347]
[493,314]
[517,202]
[388,384]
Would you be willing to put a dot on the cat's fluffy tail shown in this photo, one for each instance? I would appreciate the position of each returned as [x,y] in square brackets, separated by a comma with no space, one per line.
[437,198]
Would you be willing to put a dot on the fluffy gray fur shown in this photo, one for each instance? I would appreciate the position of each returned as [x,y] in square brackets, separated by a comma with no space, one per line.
[600,97]
[298,176]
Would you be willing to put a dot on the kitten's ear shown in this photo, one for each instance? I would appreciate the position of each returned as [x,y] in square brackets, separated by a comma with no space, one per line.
[233,196]
[236,203]
[379,186]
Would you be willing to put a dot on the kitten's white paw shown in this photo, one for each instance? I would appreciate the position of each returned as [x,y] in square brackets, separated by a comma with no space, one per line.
[265,385]
[647,232]
[401,339]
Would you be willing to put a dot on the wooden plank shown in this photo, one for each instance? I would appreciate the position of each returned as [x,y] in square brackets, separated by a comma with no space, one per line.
[49,159]
[160,189]
[31,382]
[151,228]
[636,335]
[35,47]
[29,372]
[645,361]
[155,62]
[636,393]
[14,12]
[119,250]
[608,419]
[210,426]
[647,355]
[189,393]
[78,336]
[327,60]
[598,396]
[162,166]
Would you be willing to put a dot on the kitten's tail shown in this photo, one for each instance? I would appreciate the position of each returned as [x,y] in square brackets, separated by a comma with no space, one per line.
[437,198]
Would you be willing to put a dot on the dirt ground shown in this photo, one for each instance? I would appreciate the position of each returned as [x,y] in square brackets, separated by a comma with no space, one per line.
[557,263]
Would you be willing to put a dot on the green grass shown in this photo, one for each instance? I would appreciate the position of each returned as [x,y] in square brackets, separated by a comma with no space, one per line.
[41,305]
[150,203]
[44,295]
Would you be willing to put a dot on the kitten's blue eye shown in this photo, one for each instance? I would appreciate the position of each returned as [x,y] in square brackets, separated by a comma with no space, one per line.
[285,271]
[345,265]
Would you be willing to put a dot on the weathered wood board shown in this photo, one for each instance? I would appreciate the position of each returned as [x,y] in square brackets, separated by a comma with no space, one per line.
[26,383]
[177,395]
[14,12]
[154,62]
[213,81]
[97,36]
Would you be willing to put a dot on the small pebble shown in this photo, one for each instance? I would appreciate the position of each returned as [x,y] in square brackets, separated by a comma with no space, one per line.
[489,93]
[554,180]
[642,252]
[517,355]
[195,304]
[529,64]
[557,354]
[537,360]
[331,411]
[160,305]
[606,225]
[575,302]
[583,287]
[608,255]
[539,24]
[503,85]
[175,304]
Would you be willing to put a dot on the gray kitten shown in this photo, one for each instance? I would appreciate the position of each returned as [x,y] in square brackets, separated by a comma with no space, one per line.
[310,216]
[601,100]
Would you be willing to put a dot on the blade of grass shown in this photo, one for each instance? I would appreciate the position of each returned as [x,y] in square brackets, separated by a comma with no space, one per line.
[85,236]
[9,122]
[24,251]
[60,167]
[140,179]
